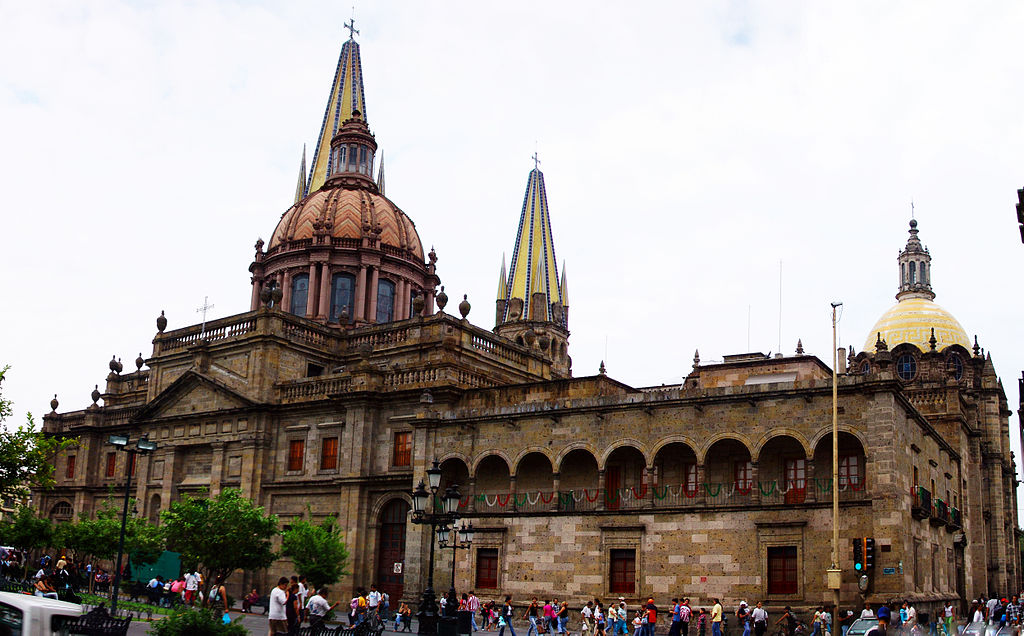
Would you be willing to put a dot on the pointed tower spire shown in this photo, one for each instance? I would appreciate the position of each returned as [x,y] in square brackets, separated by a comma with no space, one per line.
[563,289]
[380,175]
[534,267]
[300,187]
[915,268]
[502,283]
[345,101]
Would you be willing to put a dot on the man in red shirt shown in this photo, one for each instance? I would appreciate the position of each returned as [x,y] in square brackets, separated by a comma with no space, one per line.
[652,617]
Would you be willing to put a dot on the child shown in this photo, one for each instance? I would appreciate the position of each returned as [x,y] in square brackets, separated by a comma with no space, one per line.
[638,624]
[702,622]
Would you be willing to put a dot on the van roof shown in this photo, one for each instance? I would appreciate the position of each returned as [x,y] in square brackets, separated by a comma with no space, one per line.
[26,600]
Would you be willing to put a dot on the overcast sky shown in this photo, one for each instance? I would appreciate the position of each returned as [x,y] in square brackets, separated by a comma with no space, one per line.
[687,148]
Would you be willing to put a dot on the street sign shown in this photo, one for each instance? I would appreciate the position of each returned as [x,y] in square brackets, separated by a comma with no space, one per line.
[888,570]
[398,568]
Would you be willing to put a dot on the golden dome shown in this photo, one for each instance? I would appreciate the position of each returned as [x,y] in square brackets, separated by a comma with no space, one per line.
[912,320]
[347,214]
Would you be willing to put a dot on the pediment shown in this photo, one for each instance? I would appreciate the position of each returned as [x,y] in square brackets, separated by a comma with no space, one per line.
[194,393]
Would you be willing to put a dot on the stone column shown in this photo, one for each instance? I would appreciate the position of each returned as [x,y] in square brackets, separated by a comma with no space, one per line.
[310,294]
[325,292]
[401,302]
[512,492]
[651,474]
[701,476]
[216,468]
[286,291]
[254,303]
[167,477]
[555,484]
[810,487]
[472,494]
[601,495]
[372,295]
[358,312]
[755,489]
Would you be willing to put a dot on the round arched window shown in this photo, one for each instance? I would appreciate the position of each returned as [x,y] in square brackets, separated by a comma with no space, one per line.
[955,366]
[906,367]
[865,368]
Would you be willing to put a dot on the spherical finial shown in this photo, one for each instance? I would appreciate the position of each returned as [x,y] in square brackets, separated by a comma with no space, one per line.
[139,362]
[441,299]
[161,322]
[96,394]
[464,307]
[54,403]
[913,224]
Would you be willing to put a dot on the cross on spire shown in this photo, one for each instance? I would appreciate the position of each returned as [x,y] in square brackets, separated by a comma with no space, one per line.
[536,161]
[351,26]
[202,310]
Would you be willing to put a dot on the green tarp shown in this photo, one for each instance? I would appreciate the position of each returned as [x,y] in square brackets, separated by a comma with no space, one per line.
[167,566]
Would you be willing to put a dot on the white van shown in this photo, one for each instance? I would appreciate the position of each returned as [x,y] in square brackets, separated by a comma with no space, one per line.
[24,615]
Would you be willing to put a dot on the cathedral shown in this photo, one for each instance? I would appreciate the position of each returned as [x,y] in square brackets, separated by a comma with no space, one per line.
[351,373]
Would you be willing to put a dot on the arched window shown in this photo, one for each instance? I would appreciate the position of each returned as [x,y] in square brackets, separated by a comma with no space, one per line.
[342,286]
[865,368]
[922,273]
[385,301]
[913,272]
[955,366]
[906,367]
[903,273]
[61,510]
[300,292]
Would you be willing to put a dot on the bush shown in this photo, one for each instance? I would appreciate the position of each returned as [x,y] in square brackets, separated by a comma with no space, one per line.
[190,622]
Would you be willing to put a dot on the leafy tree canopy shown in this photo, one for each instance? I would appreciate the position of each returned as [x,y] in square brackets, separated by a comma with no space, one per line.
[318,550]
[98,537]
[222,534]
[26,455]
[189,622]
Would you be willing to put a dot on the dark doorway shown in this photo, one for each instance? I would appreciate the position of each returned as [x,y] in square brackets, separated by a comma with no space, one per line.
[391,549]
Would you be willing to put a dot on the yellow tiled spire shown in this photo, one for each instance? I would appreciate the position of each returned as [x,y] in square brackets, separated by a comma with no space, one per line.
[300,186]
[503,281]
[533,259]
[345,101]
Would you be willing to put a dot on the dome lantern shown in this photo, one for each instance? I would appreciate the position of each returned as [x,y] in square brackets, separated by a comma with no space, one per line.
[915,268]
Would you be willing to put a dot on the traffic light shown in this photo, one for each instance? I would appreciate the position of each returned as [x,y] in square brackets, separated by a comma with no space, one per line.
[869,553]
[858,555]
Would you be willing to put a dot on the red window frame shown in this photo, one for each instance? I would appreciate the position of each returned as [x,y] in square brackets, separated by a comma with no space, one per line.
[329,454]
[70,473]
[743,476]
[851,472]
[296,451]
[782,570]
[622,571]
[133,459]
[111,464]
[402,455]
[796,479]
[690,479]
[487,568]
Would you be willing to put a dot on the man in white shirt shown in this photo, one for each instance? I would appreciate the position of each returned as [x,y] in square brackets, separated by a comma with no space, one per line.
[317,607]
[191,585]
[587,612]
[277,616]
[303,591]
[373,599]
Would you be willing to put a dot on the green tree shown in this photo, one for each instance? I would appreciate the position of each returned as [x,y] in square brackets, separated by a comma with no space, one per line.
[190,622]
[222,534]
[27,531]
[98,537]
[26,455]
[318,550]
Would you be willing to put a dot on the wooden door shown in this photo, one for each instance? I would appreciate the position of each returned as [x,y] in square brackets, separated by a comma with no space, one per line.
[391,550]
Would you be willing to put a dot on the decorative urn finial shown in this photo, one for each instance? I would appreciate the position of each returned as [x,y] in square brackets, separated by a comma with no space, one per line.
[54,403]
[601,369]
[696,358]
[275,295]
[96,394]
[977,349]
[139,362]
[464,306]
[113,364]
[441,299]
[266,296]
[418,303]
[799,347]
[880,344]
[161,322]
[932,341]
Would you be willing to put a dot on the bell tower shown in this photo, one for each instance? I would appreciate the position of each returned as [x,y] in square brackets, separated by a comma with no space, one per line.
[532,307]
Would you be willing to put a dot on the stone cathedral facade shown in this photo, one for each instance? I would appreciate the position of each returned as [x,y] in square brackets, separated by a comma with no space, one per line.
[351,372]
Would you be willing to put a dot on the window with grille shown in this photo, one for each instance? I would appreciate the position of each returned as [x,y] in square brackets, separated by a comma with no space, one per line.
[622,575]
[744,475]
[782,570]
[403,449]
[851,472]
[300,294]
[329,454]
[111,464]
[296,449]
[71,467]
[796,480]
[487,568]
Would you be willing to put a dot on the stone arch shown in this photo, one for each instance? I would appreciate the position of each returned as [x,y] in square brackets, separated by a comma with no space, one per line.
[673,439]
[843,428]
[784,467]
[578,469]
[728,465]
[383,500]
[702,451]
[454,470]
[575,446]
[154,509]
[675,464]
[61,511]
[528,450]
[852,462]
[493,474]
[535,479]
[475,467]
[391,521]
[625,442]
[781,431]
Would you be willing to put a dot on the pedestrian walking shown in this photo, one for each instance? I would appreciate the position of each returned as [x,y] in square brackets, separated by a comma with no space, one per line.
[531,615]
[505,618]
[759,616]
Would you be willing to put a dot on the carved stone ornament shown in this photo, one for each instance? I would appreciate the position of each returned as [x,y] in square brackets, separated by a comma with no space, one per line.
[418,303]
[54,403]
[96,394]
[139,362]
[276,294]
[515,308]
[161,322]
[464,306]
[113,364]
[442,299]
[266,296]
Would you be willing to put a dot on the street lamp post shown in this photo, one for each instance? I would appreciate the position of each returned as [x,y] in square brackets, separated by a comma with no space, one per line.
[437,519]
[461,539]
[142,447]
[834,572]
